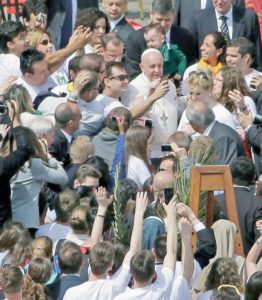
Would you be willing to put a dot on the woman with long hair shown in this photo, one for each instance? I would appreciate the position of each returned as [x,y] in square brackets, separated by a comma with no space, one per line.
[27,183]
[15,244]
[20,95]
[231,90]
[137,154]
[212,56]
[38,273]
[224,271]
[42,41]
[200,84]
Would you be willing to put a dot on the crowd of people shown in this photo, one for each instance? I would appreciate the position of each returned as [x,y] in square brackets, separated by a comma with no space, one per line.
[99,121]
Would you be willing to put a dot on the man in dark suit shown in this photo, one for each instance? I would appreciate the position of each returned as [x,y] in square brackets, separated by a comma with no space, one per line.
[254,139]
[233,21]
[114,10]
[67,116]
[163,12]
[61,18]
[227,142]
[249,208]
[70,260]
[185,9]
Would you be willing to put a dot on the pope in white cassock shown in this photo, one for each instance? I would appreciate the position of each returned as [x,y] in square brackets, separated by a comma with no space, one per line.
[164,111]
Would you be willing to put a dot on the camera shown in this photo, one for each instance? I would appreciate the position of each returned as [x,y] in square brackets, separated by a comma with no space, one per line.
[4,112]
[258,120]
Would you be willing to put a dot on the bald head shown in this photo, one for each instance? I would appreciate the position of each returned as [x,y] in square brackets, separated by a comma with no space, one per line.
[152,64]
[66,114]
[162,180]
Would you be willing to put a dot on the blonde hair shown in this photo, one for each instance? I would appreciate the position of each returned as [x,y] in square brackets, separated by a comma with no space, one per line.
[196,81]
[81,148]
[42,247]
[39,271]
[34,37]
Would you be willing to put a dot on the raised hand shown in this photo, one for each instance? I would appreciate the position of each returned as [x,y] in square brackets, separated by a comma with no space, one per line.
[141,202]
[102,199]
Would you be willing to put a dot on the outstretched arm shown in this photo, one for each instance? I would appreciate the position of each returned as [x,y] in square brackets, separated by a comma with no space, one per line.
[136,238]
[103,203]
[171,245]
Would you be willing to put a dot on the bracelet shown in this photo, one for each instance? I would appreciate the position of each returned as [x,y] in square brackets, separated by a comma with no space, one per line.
[72,98]
[192,219]
[101,216]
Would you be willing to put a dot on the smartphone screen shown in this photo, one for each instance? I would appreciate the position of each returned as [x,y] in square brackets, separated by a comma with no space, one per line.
[168,193]
[166,148]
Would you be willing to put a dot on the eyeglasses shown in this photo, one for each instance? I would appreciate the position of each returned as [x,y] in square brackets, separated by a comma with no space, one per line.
[45,42]
[199,74]
[119,77]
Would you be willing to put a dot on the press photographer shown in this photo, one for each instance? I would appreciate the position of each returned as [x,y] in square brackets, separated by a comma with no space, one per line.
[15,150]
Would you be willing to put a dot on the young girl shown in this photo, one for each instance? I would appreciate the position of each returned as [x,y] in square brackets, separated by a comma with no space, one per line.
[137,151]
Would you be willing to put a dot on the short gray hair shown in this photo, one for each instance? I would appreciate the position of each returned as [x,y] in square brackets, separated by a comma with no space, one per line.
[41,126]
[163,7]
[198,113]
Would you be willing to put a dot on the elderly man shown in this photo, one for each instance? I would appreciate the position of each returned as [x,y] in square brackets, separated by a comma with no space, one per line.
[148,96]
[228,144]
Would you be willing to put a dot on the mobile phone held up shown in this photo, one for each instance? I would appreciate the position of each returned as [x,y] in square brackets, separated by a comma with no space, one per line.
[168,194]
[166,148]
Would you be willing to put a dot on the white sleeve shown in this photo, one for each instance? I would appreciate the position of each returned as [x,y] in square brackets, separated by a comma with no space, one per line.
[164,282]
[121,278]
[70,294]
[180,289]
[250,104]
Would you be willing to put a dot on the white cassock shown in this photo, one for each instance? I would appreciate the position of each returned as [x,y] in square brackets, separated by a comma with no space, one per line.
[163,112]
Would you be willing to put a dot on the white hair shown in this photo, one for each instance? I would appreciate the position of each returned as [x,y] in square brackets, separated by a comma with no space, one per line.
[149,51]
[41,126]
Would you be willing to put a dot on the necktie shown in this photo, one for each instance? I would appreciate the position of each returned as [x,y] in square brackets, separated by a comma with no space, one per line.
[209,3]
[224,27]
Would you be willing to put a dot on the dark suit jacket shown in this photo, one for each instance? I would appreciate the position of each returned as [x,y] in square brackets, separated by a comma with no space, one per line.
[228,144]
[137,44]
[249,210]
[57,290]
[56,19]
[60,148]
[185,10]
[206,246]
[245,24]
[254,138]
[123,29]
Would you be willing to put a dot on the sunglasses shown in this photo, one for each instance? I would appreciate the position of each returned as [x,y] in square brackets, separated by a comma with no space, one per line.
[199,74]
[45,42]
[119,77]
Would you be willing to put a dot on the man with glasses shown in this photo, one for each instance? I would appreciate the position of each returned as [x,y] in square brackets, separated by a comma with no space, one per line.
[94,107]
[116,80]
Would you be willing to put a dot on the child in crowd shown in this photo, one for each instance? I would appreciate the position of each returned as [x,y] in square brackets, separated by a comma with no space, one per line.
[174,60]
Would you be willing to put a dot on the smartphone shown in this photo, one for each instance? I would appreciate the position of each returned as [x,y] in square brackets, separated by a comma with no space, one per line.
[148,123]
[164,78]
[166,148]
[169,194]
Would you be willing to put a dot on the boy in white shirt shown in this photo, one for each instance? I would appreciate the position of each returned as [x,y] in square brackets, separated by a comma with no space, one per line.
[142,267]
[13,41]
[99,287]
